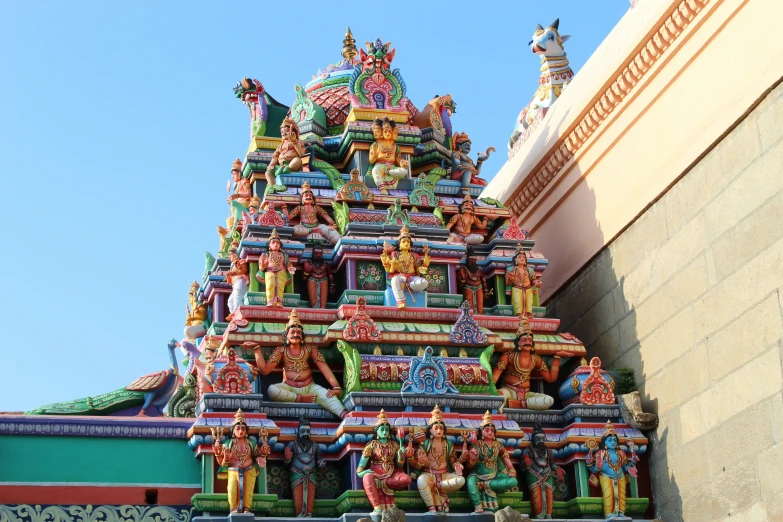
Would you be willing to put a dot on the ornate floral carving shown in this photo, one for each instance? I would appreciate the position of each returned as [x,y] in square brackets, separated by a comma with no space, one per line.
[231,378]
[361,327]
[466,330]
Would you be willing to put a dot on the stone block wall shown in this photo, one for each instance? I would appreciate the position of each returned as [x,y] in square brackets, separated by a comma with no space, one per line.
[690,296]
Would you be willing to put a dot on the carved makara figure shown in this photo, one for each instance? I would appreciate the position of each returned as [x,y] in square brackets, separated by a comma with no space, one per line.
[386,164]
[473,283]
[540,472]
[237,277]
[318,278]
[381,466]
[287,157]
[404,267]
[461,225]
[484,459]
[298,385]
[513,371]
[462,167]
[609,465]
[309,214]
[524,284]
[303,456]
[273,270]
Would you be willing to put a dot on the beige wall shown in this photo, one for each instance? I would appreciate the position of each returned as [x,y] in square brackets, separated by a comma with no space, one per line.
[691,297]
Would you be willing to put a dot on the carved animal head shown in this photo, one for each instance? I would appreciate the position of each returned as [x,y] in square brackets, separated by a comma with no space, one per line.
[548,42]
[378,57]
[248,90]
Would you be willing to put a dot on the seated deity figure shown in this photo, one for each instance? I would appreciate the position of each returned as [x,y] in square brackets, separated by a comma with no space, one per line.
[298,385]
[524,282]
[609,464]
[484,458]
[273,270]
[309,213]
[513,369]
[462,167]
[286,158]
[441,470]
[404,267]
[381,466]
[237,277]
[386,164]
[461,225]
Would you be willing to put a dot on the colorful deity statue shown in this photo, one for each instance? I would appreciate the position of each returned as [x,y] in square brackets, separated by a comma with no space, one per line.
[252,216]
[243,191]
[298,385]
[462,167]
[441,470]
[514,369]
[273,270]
[240,461]
[461,225]
[318,278]
[404,267]
[484,458]
[238,278]
[609,465]
[524,284]
[309,213]
[381,466]
[197,319]
[287,157]
[386,164]
[473,283]
[227,235]
[303,456]
[540,472]
[555,76]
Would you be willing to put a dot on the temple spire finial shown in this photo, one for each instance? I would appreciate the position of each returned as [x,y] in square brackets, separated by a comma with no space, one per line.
[349,46]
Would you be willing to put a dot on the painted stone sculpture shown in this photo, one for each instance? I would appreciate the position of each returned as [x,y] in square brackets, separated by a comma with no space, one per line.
[524,284]
[373,84]
[461,225]
[243,191]
[484,458]
[355,190]
[237,277]
[298,385]
[405,268]
[472,283]
[273,270]
[287,157]
[252,216]
[381,466]
[251,92]
[462,167]
[318,278]
[609,465]
[514,369]
[304,456]
[197,320]
[386,164]
[240,461]
[309,214]
[540,472]
[437,115]
[441,471]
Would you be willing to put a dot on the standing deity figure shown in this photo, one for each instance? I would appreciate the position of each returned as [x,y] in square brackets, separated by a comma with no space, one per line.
[462,167]
[513,369]
[473,283]
[386,164]
[461,225]
[318,278]
[309,213]
[524,284]
[273,270]
[252,216]
[441,471]
[303,456]
[381,466]
[540,472]
[240,461]
[609,464]
[404,267]
[197,319]
[287,157]
[486,480]
[237,277]
[298,385]
[243,190]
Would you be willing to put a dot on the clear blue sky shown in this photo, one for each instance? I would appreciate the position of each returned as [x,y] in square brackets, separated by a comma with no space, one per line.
[118,127]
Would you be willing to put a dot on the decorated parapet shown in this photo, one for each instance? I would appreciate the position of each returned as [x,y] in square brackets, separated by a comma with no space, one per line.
[378,324]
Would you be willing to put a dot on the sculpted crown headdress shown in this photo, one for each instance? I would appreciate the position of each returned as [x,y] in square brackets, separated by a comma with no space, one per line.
[404,232]
[306,187]
[255,202]
[210,343]
[239,418]
[382,419]
[487,420]
[274,235]
[459,137]
[524,327]
[467,199]
[194,285]
[293,319]
[609,429]
[237,165]
[234,246]
[437,416]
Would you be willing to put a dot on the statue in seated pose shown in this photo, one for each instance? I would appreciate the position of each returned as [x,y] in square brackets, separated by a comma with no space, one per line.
[318,278]
[381,466]
[513,369]
[287,157]
[484,458]
[240,461]
[386,164]
[524,283]
[540,471]
[303,456]
[462,167]
[441,471]
[237,277]
[609,464]
[461,225]
[273,270]
[404,267]
[298,385]
[309,214]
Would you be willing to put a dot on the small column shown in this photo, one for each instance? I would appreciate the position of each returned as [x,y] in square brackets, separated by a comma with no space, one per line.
[633,490]
[356,481]
[453,279]
[500,289]
[218,314]
[208,473]
[582,486]
[350,275]
[253,281]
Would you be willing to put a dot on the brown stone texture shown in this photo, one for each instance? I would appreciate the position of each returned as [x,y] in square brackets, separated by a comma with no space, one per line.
[690,296]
